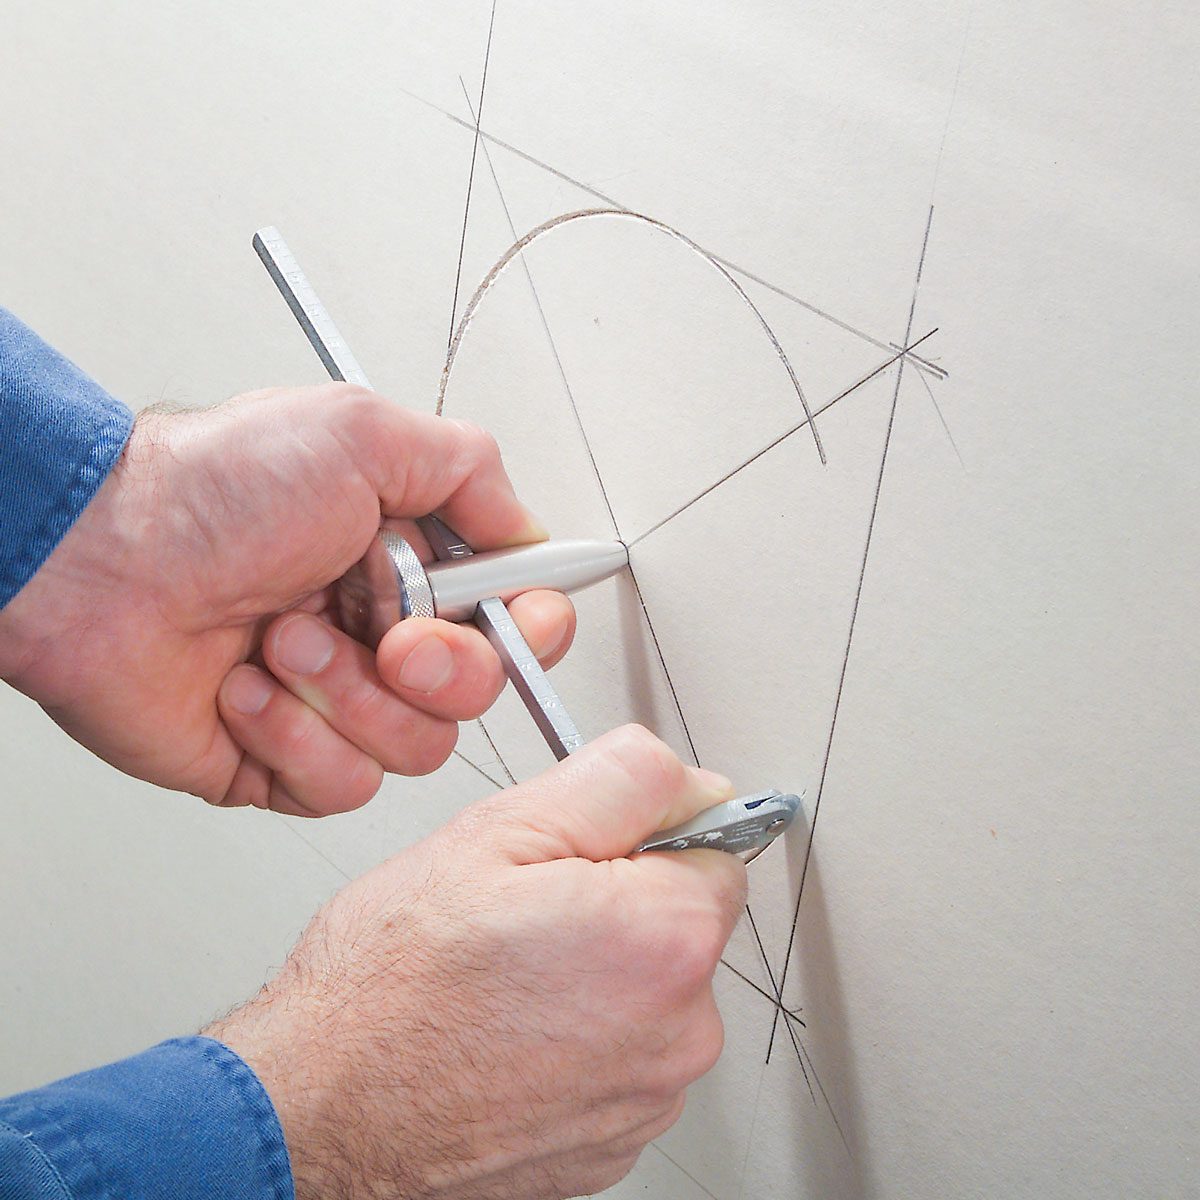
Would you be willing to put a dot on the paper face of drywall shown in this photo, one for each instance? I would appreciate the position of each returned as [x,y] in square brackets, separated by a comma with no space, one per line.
[994,956]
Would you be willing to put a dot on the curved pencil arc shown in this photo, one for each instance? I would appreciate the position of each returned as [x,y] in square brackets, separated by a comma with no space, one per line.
[621,214]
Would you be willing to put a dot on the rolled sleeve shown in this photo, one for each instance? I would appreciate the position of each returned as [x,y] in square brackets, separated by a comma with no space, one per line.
[187,1119]
[62,433]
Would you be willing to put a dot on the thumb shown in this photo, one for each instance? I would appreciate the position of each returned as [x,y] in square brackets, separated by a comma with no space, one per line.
[600,803]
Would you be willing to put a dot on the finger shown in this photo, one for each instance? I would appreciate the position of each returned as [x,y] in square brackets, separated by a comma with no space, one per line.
[321,771]
[718,876]
[602,801]
[421,464]
[547,621]
[340,679]
[441,668]
[451,671]
[249,787]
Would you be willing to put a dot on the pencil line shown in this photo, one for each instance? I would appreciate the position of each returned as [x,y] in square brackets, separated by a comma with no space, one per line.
[475,766]
[921,363]
[962,56]
[496,751]
[562,374]
[684,1170]
[762,1077]
[662,662]
[883,366]
[462,245]
[937,408]
[799,1058]
[517,249]
[462,242]
[315,849]
[779,1004]
[762,991]
[862,572]
[825,1097]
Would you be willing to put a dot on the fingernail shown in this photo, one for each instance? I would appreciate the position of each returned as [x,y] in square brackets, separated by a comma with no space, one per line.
[532,530]
[304,645]
[247,691]
[429,666]
[711,781]
[537,531]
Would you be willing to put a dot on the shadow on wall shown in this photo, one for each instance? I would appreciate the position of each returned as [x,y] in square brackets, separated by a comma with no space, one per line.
[833,1156]
[644,672]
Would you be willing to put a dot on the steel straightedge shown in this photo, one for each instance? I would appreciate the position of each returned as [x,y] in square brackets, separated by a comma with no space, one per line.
[520,664]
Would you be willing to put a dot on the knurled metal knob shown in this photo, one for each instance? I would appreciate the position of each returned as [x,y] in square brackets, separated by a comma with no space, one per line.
[386,585]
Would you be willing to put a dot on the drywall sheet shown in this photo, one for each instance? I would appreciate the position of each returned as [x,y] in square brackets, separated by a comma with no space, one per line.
[963,619]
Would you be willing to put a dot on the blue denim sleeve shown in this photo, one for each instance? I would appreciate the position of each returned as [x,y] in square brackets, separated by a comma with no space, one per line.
[186,1120]
[61,434]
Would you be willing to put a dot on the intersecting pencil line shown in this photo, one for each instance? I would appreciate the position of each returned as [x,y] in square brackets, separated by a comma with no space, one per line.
[476,767]
[779,1004]
[762,991]
[762,950]
[496,751]
[937,408]
[712,487]
[562,374]
[887,441]
[777,999]
[588,447]
[922,364]
[779,1008]
[462,244]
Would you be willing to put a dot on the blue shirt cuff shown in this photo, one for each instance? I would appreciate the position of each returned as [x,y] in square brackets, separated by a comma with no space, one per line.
[187,1119]
[62,434]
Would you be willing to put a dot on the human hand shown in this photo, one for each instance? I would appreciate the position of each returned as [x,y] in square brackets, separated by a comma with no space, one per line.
[184,630]
[509,1008]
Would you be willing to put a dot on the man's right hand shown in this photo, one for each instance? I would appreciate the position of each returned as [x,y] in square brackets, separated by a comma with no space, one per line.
[512,1007]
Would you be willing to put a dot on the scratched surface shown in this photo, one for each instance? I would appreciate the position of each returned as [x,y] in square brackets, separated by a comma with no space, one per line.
[970,634]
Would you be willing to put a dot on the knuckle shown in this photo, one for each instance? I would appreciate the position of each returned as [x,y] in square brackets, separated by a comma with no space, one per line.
[478,441]
[666,1110]
[694,1054]
[355,411]
[644,758]
[298,733]
[695,960]
[477,448]
[609,1173]
[362,782]
[737,886]
[672,1114]
[357,402]
[364,705]
[728,895]
[663,1083]
[710,1042]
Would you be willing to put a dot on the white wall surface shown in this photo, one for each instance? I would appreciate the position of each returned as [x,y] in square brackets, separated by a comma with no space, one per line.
[997,953]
